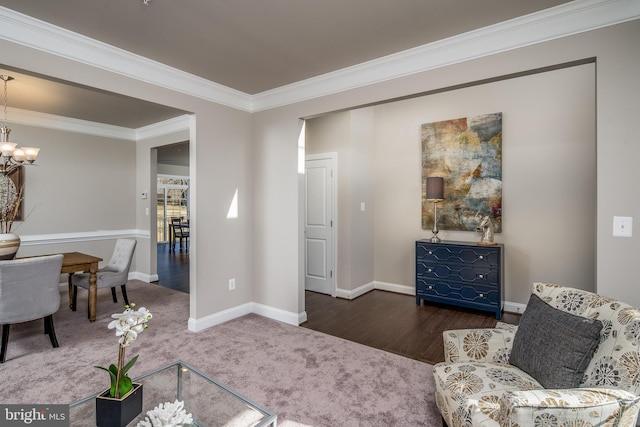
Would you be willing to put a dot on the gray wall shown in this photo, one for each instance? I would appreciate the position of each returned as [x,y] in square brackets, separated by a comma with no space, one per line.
[83,194]
[258,154]
[549,173]
[81,185]
[351,136]
[617,92]
[80,182]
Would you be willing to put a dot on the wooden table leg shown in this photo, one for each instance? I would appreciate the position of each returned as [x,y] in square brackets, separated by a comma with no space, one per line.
[70,292]
[93,292]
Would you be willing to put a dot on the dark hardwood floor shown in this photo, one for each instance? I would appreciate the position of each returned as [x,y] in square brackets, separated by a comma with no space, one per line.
[393,322]
[173,268]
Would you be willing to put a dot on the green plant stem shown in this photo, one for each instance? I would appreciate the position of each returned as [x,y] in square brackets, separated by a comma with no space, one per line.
[120,368]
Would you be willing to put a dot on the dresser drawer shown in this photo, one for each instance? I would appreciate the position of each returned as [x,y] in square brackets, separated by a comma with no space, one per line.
[454,293]
[481,256]
[470,274]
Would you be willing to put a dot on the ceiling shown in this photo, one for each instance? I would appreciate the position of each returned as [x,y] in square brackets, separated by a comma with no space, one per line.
[174,154]
[32,92]
[251,46]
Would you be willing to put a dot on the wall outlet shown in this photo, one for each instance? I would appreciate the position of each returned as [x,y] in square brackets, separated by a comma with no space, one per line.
[232,284]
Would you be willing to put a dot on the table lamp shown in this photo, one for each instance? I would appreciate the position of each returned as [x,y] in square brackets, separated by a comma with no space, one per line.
[435,194]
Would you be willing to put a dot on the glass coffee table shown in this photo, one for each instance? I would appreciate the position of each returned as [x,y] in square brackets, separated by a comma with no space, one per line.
[208,401]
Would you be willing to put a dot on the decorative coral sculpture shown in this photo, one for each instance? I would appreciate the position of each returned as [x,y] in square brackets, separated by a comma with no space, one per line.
[167,414]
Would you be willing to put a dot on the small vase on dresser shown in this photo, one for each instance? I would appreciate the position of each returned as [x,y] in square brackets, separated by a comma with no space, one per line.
[9,245]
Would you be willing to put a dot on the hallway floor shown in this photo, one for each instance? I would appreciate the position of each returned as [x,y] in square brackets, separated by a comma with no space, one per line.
[173,268]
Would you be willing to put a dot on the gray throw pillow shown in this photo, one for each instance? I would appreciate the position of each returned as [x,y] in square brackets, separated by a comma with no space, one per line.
[553,346]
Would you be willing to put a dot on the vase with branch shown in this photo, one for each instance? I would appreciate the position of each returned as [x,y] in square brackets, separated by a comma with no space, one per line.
[10,203]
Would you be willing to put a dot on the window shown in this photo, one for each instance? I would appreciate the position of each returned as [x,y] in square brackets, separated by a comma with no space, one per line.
[173,201]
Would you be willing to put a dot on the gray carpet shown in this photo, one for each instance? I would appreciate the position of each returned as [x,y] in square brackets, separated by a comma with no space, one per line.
[307,378]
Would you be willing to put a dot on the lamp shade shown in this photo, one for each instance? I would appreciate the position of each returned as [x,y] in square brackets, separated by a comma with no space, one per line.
[435,188]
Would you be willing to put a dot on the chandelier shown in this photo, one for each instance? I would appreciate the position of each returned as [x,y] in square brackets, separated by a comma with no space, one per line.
[12,156]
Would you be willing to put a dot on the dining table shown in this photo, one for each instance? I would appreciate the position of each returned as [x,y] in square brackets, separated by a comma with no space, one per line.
[73,262]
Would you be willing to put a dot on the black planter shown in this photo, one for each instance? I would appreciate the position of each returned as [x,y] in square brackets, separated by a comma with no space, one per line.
[112,412]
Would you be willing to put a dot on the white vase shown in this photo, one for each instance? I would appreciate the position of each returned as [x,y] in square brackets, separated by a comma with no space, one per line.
[9,245]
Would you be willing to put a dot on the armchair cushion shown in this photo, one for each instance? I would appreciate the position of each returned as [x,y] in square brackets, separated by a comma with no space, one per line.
[468,393]
[553,346]
[592,406]
[478,345]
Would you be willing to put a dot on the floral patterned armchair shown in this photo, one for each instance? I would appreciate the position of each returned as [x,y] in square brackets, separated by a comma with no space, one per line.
[476,385]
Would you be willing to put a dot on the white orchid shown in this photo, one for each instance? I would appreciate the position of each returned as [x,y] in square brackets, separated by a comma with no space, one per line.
[130,323]
[167,415]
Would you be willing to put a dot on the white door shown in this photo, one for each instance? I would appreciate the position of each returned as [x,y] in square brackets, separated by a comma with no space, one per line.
[319,222]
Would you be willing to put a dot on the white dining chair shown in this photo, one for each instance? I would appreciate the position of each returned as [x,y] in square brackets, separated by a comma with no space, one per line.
[29,291]
[115,273]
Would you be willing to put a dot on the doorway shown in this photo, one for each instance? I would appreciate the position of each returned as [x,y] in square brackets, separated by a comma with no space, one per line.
[320,223]
[172,201]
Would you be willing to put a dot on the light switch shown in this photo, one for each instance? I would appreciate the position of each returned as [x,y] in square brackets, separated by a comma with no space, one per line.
[362,207]
[622,226]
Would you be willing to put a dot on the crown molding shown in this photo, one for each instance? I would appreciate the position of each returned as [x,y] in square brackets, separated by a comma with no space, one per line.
[33,33]
[553,23]
[166,127]
[67,124]
[560,21]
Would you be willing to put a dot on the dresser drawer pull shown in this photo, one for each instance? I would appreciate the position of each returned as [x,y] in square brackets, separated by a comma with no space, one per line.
[481,276]
[429,270]
[430,287]
[430,253]
[481,295]
[481,257]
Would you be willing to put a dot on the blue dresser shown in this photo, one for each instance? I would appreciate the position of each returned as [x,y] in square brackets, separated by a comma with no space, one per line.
[462,274]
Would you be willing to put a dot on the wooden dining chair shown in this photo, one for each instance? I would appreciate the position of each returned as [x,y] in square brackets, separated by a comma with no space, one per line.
[180,232]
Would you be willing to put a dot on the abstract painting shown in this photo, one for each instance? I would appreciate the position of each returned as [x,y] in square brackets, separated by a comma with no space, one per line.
[467,152]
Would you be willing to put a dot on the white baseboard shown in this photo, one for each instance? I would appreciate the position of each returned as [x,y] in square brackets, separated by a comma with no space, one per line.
[197,325]
[511,307]
[278,314]
[514,307]
[355,293]
[367,287]
[143,276]
[393,287]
